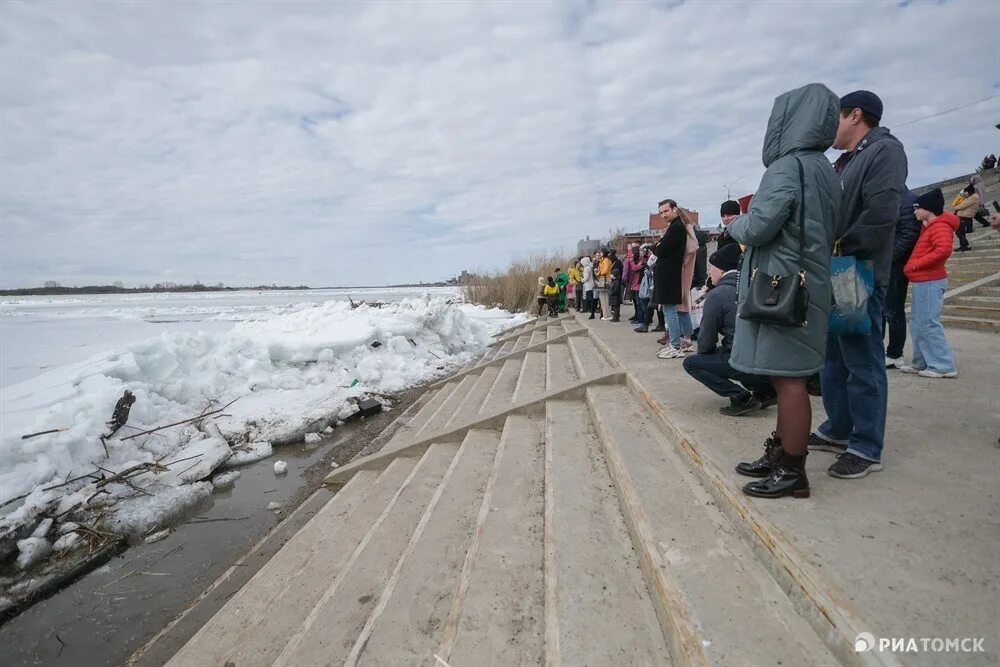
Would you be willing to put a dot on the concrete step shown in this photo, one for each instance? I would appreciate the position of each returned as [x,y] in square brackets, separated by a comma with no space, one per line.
[413,609]
[506,348]
[538,336]
[497,614]
[411,428]
[502,392]
[555,330]
[975,301]
[978,324]
[559,369]
[598,606]
[587,359]
[716,600]
[447,409]
[329,632]
[973,312]
[531,381]
[256,622]
[972,266]
[472,401]
[988,290]
[522,342]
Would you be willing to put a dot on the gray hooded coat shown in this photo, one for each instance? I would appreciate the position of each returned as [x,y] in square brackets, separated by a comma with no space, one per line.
[802,125]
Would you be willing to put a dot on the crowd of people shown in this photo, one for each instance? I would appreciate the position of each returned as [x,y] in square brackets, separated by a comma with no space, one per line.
[759,334]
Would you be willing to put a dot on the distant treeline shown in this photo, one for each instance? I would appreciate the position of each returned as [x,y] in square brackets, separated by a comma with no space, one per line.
[113,289]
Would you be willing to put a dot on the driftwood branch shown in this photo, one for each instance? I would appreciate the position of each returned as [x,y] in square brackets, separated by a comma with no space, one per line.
[183,421]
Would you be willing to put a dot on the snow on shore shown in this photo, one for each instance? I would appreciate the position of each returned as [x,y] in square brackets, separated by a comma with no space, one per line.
[290,373]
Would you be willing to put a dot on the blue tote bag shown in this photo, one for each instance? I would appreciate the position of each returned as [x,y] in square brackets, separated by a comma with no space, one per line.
[852,281]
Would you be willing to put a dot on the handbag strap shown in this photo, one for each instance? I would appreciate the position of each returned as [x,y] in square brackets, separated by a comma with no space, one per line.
[802,221]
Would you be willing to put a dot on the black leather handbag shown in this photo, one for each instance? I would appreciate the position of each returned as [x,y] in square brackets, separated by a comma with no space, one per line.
[781,300]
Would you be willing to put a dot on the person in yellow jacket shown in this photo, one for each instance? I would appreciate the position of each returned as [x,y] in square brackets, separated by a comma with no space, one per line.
[551,291]
[575,280]
[602,281]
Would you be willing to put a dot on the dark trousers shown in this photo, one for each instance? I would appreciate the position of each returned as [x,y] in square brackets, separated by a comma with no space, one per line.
[641,305]
[553,302]
[855,388]
[964,226]
[982,219]
[579,297]
[541,305]
[591,302]
[895,311]
[713,371]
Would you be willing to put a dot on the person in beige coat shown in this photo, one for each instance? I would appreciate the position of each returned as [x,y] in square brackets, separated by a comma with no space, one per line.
[966,210]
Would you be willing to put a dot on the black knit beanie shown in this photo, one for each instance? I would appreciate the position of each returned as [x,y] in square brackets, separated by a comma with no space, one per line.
[932,201]
[730,208]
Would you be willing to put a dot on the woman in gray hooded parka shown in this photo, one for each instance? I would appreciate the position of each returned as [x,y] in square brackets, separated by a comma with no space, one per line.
[801,128]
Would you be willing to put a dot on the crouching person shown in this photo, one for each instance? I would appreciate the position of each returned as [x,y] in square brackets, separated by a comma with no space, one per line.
[711,365]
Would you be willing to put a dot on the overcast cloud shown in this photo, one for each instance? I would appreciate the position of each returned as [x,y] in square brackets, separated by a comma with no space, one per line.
[338,144]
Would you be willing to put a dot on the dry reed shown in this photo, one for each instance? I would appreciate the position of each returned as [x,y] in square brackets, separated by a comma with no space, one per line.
[515,288]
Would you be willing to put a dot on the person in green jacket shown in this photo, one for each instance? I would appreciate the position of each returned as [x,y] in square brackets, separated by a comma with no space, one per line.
[562,279]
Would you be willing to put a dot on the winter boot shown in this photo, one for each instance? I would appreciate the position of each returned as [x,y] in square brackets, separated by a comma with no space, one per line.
[762,466]
[788,478]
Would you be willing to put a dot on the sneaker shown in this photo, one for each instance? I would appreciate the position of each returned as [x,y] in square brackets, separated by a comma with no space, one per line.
[928,373]
[687,347]
[606,319]
[641,329]
[849,466]
[741,405]
[658,327]
[912,370]
[893,362]
[819,443]
[767,399]
[670,352]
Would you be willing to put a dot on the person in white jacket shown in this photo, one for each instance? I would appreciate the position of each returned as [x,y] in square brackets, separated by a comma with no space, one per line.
[588,285]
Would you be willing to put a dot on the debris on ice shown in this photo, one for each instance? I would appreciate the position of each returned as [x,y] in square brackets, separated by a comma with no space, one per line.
[67,527]
[157,536]
[328,430]
[280,467]
[273,506]
[312,438]
[334,464]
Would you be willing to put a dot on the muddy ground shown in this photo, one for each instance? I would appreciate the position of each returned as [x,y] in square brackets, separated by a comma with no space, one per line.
[101,619]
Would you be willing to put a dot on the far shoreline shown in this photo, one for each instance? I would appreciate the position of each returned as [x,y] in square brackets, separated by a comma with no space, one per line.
[193,289]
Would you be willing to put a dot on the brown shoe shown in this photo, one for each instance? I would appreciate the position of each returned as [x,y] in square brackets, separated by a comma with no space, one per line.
[662,341]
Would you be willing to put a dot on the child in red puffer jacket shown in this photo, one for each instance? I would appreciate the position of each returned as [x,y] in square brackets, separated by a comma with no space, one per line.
[932,357]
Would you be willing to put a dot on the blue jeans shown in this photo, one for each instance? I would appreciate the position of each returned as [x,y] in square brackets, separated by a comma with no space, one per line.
[855,388]
[930,347]
[678,323]
[713,371]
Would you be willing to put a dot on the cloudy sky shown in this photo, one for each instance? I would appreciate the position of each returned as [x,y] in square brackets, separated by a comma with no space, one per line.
[350,144]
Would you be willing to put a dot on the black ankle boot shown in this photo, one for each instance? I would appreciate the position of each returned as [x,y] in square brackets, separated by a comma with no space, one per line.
[762,466]
[788,478]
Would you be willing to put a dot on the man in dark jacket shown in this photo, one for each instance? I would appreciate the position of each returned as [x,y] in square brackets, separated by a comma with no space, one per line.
[615,286]
[872,171]
[729,211]
[907,233]
[711,365]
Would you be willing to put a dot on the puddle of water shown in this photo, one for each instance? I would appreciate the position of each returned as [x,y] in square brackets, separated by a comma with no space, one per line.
[105,616]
